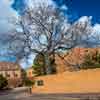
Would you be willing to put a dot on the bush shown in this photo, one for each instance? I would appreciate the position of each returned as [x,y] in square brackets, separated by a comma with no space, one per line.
[40,67]
[28,82]
[91,61]
[3,82]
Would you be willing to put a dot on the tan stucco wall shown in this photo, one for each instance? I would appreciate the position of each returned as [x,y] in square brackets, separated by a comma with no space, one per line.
[30,72]
[73,57]
[70,82]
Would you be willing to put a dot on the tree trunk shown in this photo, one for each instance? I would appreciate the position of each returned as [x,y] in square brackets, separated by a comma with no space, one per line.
[47,64]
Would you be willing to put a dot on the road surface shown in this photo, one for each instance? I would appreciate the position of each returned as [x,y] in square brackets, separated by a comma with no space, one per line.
[22,94]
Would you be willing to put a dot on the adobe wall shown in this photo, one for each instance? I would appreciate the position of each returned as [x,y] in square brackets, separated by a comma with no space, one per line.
[70,82]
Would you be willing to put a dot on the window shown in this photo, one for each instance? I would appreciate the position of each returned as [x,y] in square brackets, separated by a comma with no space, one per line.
[86,50]
[29,73]
[7,74]
[32,72]
[40,83]
[16,75]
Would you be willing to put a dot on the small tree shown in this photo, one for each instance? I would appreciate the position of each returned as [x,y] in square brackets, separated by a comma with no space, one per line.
[87,61]
[24,76]
[39,65]
[28,82]
[91,60]
[98,58]
[3,82]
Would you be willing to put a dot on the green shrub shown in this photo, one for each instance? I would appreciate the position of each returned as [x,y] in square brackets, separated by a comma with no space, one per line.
[40,67]
[3,82]
[91,61]
[28,82]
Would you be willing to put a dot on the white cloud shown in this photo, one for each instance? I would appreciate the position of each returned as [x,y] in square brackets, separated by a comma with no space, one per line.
[64,7]
[96,28]
[25,63]
[6,13]
[96,31]
[84,19]
[35,3]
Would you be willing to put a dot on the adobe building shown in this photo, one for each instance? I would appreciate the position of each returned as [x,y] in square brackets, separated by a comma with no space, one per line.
[30,73]
[73,57]
[64,63]
[83,81]
[12,72]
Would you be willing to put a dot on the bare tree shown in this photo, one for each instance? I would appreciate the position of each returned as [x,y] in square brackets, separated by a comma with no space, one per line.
[46,30]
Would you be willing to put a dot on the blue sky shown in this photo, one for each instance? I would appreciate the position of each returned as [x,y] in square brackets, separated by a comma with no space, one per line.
[73,8]
[87,8]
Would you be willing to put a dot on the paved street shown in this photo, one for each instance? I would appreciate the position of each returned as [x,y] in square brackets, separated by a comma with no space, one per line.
[21,94]
[34,97]
[25,96]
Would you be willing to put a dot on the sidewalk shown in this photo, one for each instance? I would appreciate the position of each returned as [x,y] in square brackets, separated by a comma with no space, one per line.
[5,92]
